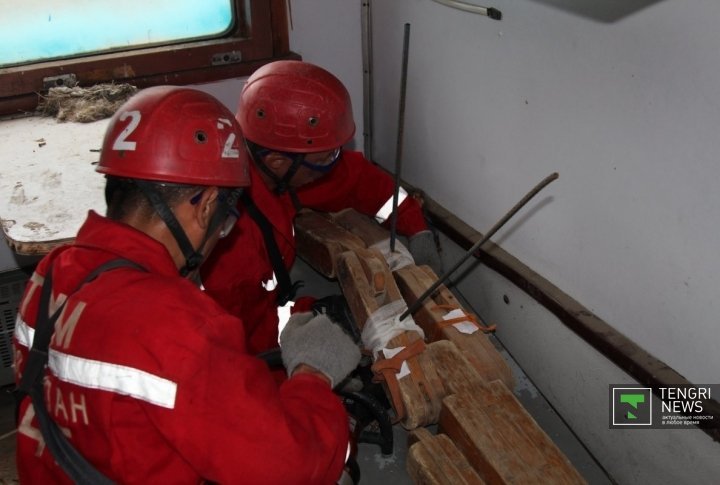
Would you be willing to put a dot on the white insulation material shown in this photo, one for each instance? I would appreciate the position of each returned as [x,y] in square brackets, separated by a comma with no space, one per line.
[48,181]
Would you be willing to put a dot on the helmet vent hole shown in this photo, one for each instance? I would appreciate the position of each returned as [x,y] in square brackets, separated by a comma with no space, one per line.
[309,142]
[200,137]
[313,121]
[260,113]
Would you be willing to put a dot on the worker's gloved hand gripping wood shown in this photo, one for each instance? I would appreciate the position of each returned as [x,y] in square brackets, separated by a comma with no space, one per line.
[320,344]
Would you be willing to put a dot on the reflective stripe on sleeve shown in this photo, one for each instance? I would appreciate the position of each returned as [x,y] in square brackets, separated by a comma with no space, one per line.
[24,333]
[120,379]
[270,284]
[385,211]
[94,374]
[284,313]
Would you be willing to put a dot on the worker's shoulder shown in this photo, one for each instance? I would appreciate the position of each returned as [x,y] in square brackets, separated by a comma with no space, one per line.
[171,300]
[354,158]
[176,314]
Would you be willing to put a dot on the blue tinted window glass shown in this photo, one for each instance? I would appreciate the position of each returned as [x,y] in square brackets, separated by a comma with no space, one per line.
[36,30]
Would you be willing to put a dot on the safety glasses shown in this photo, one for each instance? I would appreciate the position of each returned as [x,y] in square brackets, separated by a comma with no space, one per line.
[228,202]
[307,160]
[324,164]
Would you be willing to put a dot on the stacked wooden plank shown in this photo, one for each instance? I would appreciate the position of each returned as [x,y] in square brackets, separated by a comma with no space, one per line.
[457,378]
[491,428]
[433,315]
[320,242]
[368,285]
[434,459]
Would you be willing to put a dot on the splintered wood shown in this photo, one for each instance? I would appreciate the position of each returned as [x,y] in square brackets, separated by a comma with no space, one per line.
[319,241]
[417,397]
[431,316]
[489,425]
[435,460]
[457,378]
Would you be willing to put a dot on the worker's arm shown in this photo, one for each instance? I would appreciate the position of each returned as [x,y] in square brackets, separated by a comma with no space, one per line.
[359,184]
[232,423]
[306,369]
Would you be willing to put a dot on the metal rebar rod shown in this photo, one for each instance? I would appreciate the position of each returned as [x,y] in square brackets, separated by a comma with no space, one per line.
[418,303]
[367,62]
[400,133]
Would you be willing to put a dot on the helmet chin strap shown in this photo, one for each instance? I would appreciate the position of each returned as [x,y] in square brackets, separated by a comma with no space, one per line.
[282,184]
[193,258]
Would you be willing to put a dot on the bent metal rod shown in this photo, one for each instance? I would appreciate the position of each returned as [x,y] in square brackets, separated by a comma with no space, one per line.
[401,132]
[418,303]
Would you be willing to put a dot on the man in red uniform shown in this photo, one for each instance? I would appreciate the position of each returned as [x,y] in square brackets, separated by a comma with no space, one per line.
[296,117]
[148,379]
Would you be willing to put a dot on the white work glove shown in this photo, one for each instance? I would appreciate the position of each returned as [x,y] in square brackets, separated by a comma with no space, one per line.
[318,342]
[424,251]
[397,259]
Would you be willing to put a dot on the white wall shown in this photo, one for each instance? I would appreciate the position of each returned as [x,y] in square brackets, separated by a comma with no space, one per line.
[628,113]
[574,378]
[328,33]
[625,105]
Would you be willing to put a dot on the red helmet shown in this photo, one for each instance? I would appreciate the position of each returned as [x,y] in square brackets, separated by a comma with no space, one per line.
[178,135]
[294,106]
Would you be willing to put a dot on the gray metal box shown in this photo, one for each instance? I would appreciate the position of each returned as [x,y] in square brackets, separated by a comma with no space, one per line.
[12,286]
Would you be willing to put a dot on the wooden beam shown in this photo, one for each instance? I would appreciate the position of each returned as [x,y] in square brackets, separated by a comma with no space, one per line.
[319,241]
[417,399]
[492,429]
[476,347]
[435,460]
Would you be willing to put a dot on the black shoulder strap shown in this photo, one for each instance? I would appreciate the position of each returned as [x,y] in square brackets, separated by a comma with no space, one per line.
[295,199]
[288,289]
[74,464]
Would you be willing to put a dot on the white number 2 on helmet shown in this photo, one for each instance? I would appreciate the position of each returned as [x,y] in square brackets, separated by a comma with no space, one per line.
[121,142]
[228,150]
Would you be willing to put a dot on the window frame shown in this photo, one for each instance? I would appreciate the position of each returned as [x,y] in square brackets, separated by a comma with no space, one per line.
[181,64]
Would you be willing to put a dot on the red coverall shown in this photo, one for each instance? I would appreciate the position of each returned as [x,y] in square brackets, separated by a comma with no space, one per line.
[242,282]
[152,383]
